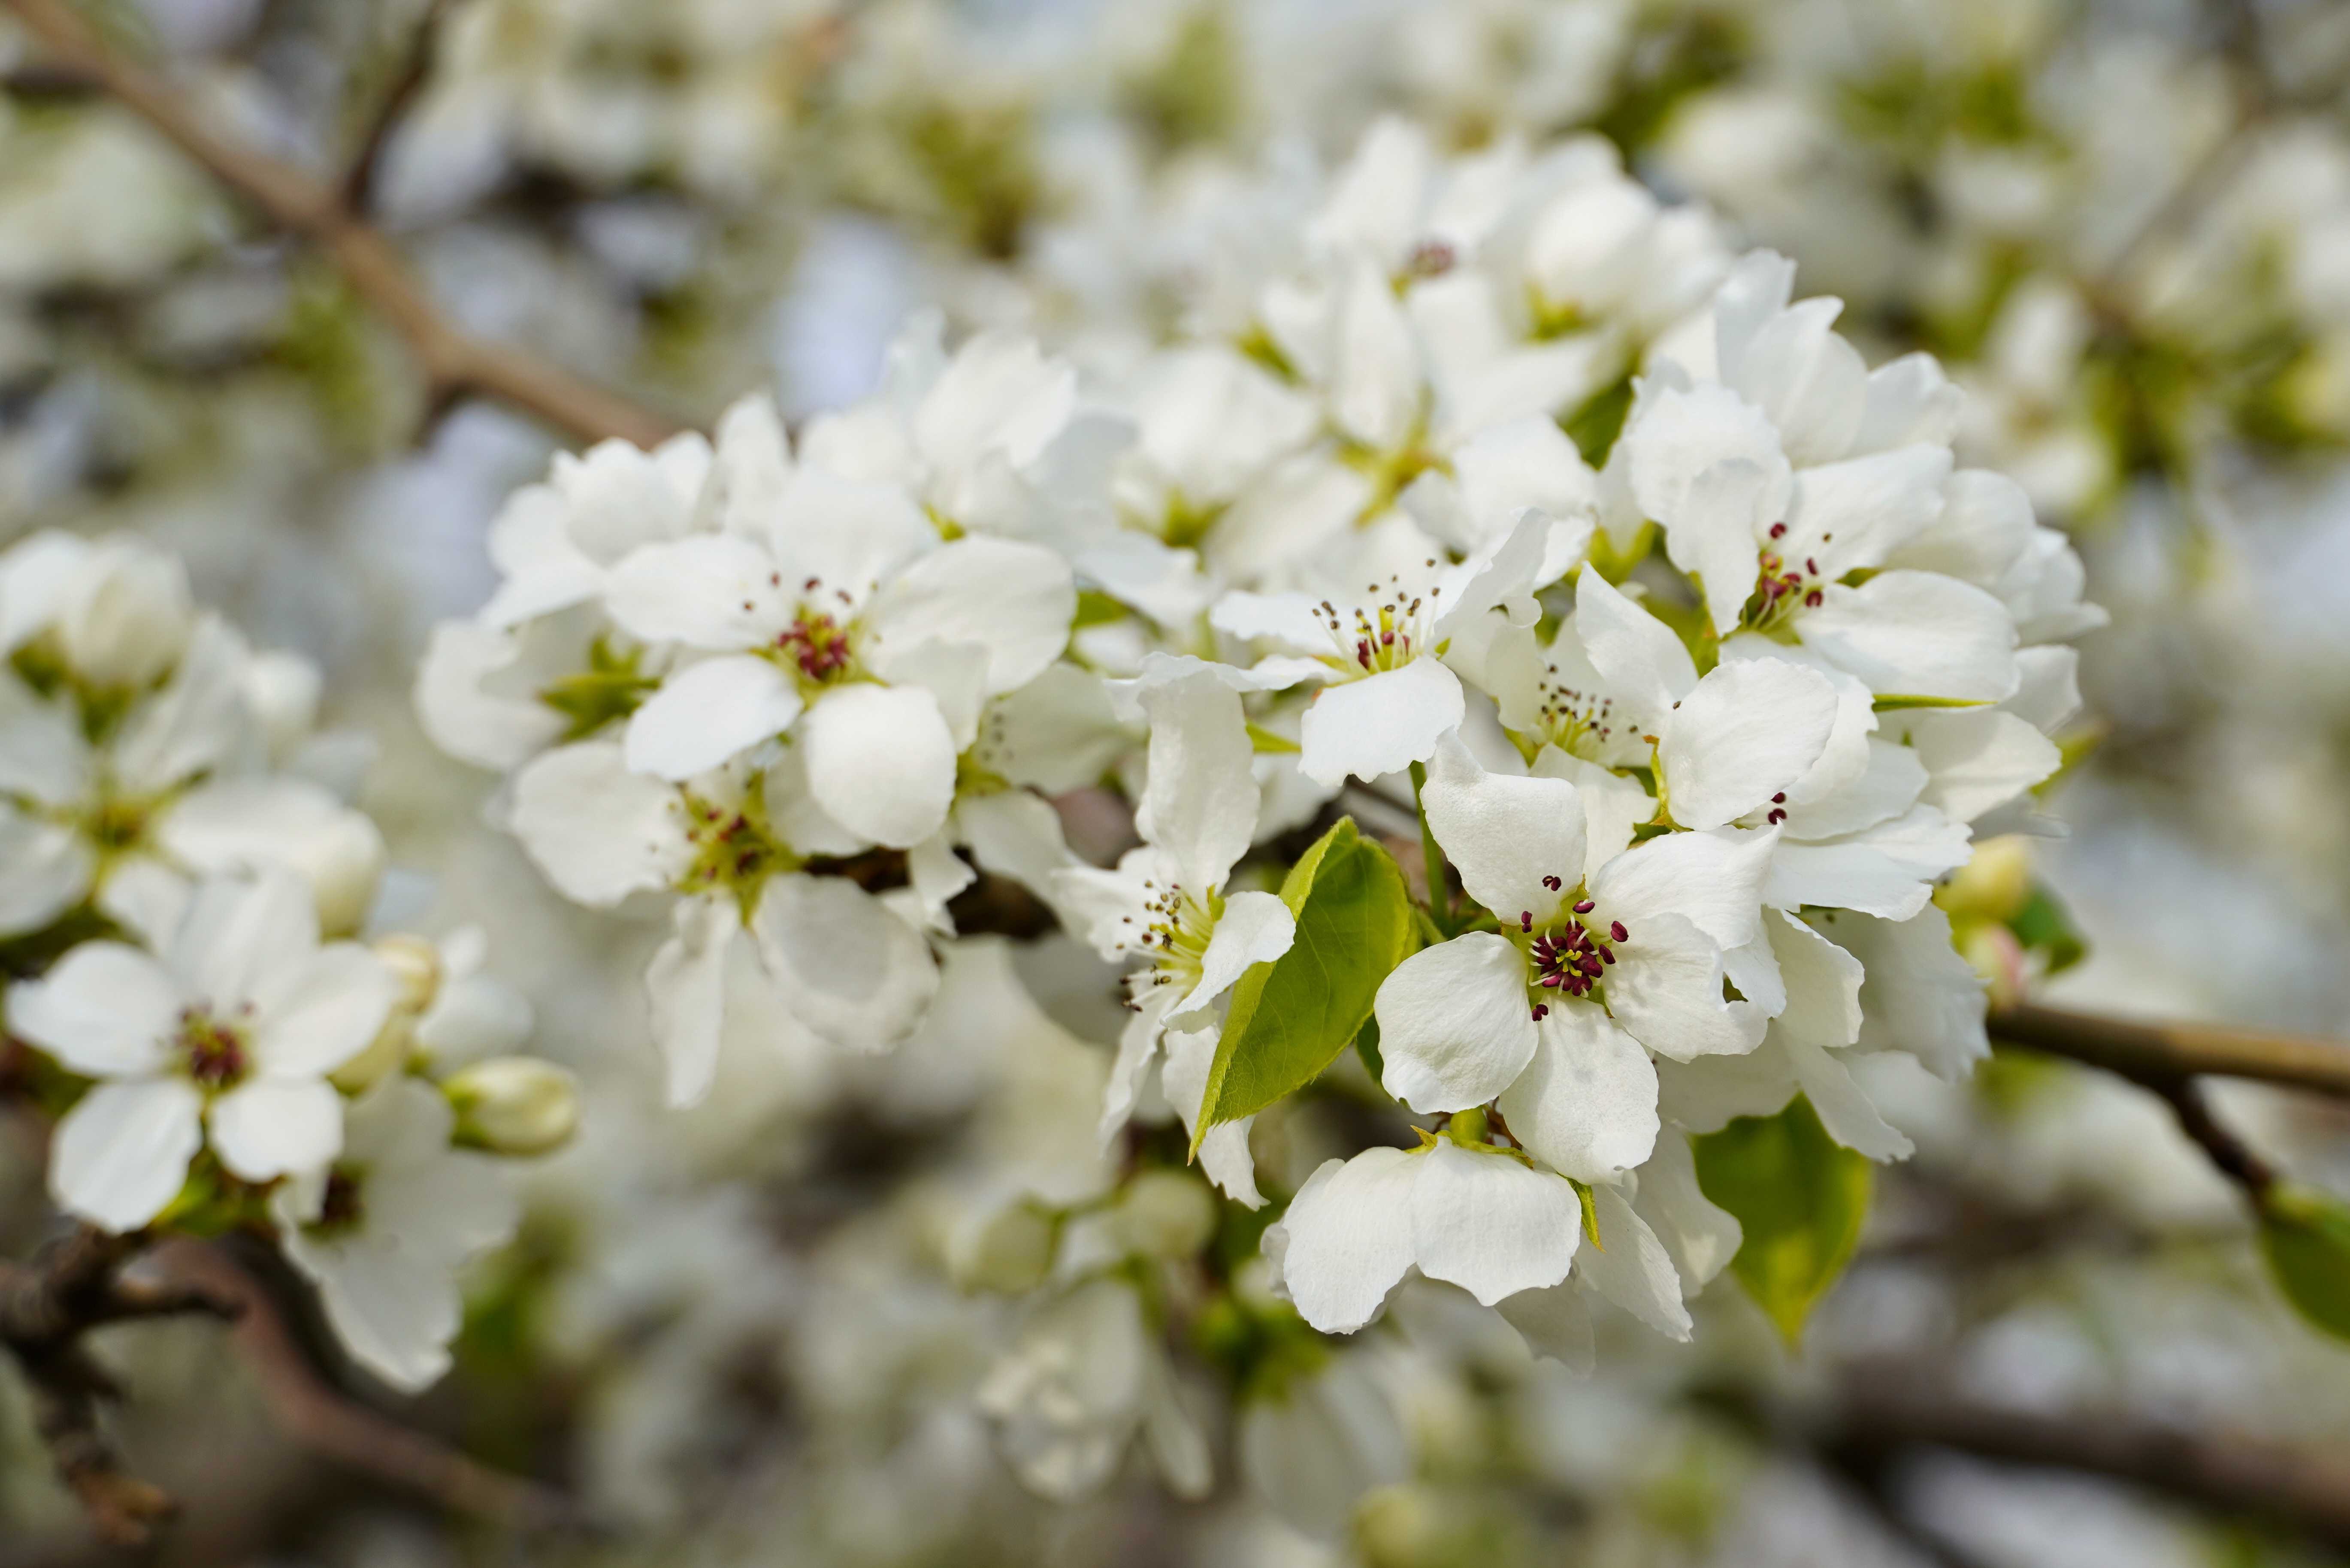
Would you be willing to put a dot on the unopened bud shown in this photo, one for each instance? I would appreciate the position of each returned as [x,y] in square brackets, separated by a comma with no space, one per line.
[126,621]
[415,968]
[1166,1214]
[1009,1249]
[415,963]
[1993,886]
[515,1104]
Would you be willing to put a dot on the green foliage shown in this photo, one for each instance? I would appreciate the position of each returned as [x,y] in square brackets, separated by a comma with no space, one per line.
[2043,926]
[1291,1017]
[1191,97]
[1801,1199]
[1594,427]
[2305,1236]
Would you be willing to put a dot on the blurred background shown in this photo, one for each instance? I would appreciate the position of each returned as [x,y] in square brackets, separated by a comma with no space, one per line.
[726,1336]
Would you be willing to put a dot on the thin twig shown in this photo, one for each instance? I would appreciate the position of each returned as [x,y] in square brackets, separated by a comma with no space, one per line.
[312,1412]
[455,364]
[73,1285]
[2153,1052]
[415,67]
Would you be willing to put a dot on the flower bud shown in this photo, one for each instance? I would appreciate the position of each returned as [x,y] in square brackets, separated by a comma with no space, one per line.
[1008,1250]
[126,621]
[1993,886]
[515,1104]
[415,967]
[345,865]
[1166,1214]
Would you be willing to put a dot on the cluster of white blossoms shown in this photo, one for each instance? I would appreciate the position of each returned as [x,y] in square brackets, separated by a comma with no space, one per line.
[1512,499]
[183,886]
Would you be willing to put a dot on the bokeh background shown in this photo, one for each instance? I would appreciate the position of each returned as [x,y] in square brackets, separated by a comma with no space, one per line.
[2124,224]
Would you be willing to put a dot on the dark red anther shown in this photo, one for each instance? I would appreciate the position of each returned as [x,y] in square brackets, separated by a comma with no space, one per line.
[1814,599]
[1526,920]
[1552,883]
[1585,908]
[1605,956]
[1615,928]
[1779,799]
[1777,817]
[1811,566]
[1542,1011]
[1778,530]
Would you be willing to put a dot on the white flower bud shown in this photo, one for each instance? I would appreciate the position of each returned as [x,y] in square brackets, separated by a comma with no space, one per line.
[415,966]
[344,863]
[126,619]
[1008,1250]
[282,690]
[515,1104]
[1167,1214]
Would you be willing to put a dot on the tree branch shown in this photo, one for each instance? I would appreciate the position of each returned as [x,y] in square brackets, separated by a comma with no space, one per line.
[2306,1489]
[73,1285]
[2157,1053]
[320,1418]
[415,65]
[455,364]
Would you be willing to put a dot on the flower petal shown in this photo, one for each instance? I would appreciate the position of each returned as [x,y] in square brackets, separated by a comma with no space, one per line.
[706,714]
[1556,1323]
[881,761]
[268,1127]
[1349,1237]
[1489,1225]
[1750,729]
[241,934]
[1631,1268]
[1379,724]
[854,973]
[1645,665]
[1917,634]
[1586,1104]
[1702,1238]
[1014,600]
[1255,928]
[313,1016]
[1504,834]
[1455,1025]
[105,1010]
[713,590]
[1664,989]
[1920,995]
[1714,880]
[122,1152]
[45,871]
[1199,794]
[598,831]
[686,986]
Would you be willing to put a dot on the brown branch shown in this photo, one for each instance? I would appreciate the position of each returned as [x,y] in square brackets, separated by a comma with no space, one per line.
[2305,1489]
[455,364]
[320,1418]
[415,67]
[2151,1053]
[73,1285]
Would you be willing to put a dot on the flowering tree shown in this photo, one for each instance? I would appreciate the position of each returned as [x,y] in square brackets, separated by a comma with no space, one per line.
[1537,732]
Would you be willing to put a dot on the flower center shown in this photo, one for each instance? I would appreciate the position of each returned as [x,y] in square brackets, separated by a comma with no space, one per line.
[1384,634]
[213,1053]
[1783,587]
[1173,929]
[116,824]
[342,1207]
[1567,716]
[1572,953]
[733,848]
[818,645]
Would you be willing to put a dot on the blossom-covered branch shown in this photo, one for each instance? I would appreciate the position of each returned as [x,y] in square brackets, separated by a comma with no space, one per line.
[455,364]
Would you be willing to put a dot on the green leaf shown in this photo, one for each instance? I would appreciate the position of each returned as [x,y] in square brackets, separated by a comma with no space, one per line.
[1367,1046]
[2305,1236]
[1291,1017]
[2043,926]
[1799,1198]
[1266,742]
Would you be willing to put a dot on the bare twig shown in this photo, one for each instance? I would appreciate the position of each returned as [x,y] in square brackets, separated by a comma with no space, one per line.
[2150,1054]
[415,67]
[455,364]
[322,1419]
[71,1286]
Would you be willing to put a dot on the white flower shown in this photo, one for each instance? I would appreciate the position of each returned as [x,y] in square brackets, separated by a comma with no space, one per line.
[1796,468]
[844,964]
[172,788]
[1166,900]
[1088,1375]
[1479,1219]
[231,1034]
[1391,694]
[114,615]
[1552,1012]
[382,1230]
[1320,1442]
[849,627]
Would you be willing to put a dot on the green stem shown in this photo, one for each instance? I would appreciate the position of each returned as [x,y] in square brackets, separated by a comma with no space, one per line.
[1431,855]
